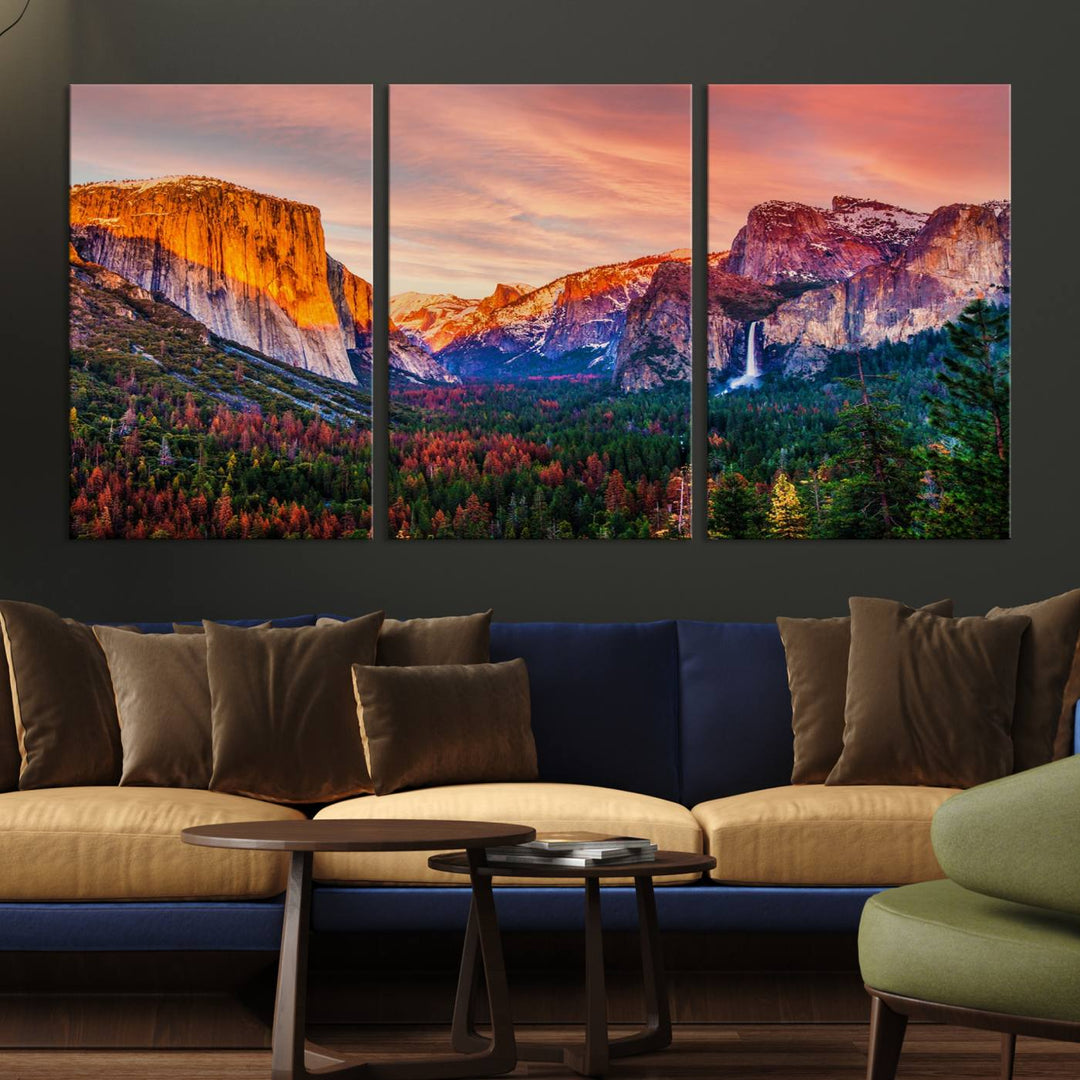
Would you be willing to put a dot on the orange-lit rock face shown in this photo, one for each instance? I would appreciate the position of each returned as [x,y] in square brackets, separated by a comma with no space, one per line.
[251,267]
[434,318]
[352,302]
[440,318]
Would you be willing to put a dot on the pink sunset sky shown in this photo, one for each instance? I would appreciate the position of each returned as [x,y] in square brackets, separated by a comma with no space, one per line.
[915,146]
[310,143]
[510,183]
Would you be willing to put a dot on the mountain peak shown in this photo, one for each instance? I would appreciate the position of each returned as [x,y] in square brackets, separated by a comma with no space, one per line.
[798,245]
[876,221]
[186,184]
[505,293]
[849,202]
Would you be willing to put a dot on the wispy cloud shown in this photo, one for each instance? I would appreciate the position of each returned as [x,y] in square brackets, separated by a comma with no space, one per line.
[917,146]
[525,183]
[311,143]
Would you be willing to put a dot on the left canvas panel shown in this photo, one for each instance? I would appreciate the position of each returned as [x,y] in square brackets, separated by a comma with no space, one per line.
[220,311]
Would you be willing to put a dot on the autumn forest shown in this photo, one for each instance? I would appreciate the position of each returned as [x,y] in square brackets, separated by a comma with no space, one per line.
[176,435]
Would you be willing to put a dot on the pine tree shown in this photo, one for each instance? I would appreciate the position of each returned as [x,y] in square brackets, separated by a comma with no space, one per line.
[877,486]
[969,465]
[787,520]
[735,513]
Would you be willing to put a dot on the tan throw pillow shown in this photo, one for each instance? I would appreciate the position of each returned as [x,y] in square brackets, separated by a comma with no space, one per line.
[452,639]
[9,739]
[817,661]
[62,697]
[447,724]
[198,628]
[163,702]
[1046,656]
[283,713]
[929,699]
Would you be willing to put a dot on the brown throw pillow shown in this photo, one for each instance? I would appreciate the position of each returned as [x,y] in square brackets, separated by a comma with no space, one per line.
[198,628]
[817,664]
[453,639]
[929,699]
[1046,656]
[163,702]
[9,739]
[447,724]
[283,713]
[62,696]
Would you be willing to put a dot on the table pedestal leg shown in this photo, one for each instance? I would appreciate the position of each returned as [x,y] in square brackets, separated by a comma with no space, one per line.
[294,1059]
[290,1004]
[592,1058]
[463,1034]
[657,1031]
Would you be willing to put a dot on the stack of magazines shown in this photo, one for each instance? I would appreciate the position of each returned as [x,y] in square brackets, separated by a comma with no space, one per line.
[575,849]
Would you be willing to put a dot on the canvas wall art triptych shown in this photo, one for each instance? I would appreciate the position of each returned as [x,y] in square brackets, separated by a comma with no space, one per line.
[541,304]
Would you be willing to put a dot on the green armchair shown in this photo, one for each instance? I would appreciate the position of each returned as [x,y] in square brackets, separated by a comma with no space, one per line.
[997,944]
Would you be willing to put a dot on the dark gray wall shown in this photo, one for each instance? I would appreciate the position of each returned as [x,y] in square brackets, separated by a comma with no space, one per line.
[65,41]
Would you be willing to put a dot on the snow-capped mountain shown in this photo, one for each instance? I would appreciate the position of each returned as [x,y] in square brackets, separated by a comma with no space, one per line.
[573,323]
[959,254]
[795,246]
[821,280]
[876,221]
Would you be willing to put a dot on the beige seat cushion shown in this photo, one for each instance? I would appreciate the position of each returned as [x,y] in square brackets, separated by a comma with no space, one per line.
[546,807]
[123,843]
[810,834]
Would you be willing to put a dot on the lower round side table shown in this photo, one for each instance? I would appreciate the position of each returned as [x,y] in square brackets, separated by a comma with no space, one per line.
[593,1057]
[292,1058]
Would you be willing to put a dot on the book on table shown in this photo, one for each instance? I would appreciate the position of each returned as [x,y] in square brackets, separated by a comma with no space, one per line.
[575,849]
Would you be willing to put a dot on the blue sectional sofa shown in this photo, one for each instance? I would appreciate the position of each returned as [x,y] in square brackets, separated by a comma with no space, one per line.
[686,721]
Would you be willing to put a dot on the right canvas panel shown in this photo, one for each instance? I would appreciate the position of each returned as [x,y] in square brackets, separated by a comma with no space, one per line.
[858,325]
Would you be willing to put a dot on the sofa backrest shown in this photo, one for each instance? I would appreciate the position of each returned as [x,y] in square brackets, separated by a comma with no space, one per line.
[167,627]
[735,709]
[604,701]
[686,711]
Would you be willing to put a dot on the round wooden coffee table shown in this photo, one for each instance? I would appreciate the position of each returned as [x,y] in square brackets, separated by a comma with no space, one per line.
[291,1057]
[591,1058]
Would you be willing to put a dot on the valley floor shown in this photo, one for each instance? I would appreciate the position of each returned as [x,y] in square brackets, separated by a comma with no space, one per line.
[700,1052]
[556,459]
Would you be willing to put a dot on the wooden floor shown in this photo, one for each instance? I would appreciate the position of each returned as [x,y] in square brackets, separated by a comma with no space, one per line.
[700,1052]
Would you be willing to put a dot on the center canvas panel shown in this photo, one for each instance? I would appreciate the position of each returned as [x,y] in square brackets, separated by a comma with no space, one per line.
[540,306]
[220,311]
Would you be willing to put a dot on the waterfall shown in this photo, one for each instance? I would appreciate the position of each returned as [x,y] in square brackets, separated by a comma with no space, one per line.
[752,369]
[752,373]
